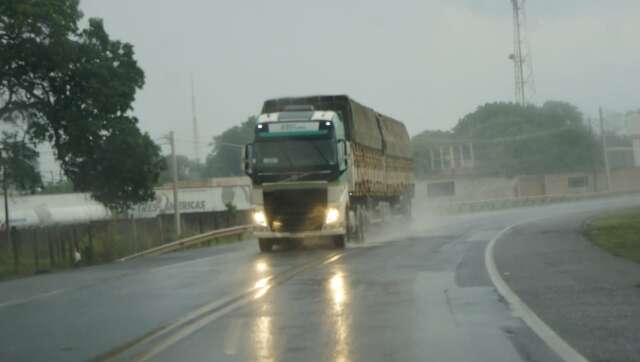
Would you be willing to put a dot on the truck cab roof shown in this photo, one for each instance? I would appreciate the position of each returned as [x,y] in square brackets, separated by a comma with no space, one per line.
[298,116]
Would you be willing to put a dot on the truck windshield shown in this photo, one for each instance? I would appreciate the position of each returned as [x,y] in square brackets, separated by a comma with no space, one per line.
[282,156]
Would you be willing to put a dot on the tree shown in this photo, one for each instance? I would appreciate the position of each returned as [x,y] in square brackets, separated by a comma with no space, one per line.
[59,187]
[18,160]
[74,88]
[187,170]
[510,139]
[224,159]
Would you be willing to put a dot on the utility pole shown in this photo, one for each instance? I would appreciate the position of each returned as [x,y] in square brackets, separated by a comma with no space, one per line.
[196,141]
[174,172]
[6,196]
[605,150]
[593,159]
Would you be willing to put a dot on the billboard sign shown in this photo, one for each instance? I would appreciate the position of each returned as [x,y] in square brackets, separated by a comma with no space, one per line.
[195,200]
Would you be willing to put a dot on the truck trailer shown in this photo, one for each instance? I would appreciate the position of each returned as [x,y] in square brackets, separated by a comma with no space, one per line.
[325,167]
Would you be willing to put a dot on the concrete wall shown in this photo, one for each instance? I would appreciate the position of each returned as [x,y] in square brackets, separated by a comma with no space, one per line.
[626,180]
[530,186]
[559,184]
[470,189]
[488,188]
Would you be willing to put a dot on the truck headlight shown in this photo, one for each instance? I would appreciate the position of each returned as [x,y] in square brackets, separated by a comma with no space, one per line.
[332,216]
[260,218]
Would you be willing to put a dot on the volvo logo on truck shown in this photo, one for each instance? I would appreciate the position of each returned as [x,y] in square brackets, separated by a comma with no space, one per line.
[323,167]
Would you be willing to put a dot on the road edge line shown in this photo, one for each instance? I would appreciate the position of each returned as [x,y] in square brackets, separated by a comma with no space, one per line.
[521,309]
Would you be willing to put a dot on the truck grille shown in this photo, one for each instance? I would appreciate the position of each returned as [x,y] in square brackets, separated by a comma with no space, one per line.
[296,210]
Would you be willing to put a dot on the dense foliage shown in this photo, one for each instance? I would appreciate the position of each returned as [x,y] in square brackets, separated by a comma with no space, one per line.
[510,139]
[74,88]
[18,162]
[187,170]
[224,159]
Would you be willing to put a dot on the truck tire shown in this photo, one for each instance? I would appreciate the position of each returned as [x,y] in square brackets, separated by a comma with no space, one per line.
[353,226]
[266,245]
[339,241]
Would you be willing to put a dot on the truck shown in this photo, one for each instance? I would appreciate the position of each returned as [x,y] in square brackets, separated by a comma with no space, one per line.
[325,167]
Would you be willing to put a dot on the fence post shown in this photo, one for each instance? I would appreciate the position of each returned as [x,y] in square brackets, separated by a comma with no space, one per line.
[110,244]
[56,246]
[69,241]
[90,246]
[52,259]
[75,245]
[133,246]
[160,227]
[16,250]
[215,221]
[36,255]
[61,247]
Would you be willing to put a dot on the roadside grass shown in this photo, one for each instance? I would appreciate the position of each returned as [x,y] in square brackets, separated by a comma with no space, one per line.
[618,233]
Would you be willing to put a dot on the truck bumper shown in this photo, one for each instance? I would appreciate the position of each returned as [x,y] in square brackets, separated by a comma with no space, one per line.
[298,235]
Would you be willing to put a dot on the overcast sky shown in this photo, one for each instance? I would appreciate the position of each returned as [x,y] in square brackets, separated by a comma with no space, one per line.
[425,62]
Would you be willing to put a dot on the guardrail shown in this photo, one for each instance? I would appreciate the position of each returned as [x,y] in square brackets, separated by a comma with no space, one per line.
[192,240]
[497,204]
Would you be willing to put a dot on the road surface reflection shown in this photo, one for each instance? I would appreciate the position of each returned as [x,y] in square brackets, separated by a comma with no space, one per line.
[263,338]
[263,284]
[338,315]
[262,329]
[338,292]
[262,266]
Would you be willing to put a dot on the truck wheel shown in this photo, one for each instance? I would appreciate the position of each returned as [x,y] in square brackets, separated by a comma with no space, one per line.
[339,241]
[352,224]
[266,245]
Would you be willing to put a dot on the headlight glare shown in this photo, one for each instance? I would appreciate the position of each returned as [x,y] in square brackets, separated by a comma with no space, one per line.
[332,216]
[260,218]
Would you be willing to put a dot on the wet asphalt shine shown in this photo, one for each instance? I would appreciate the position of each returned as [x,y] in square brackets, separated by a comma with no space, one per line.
[414,291]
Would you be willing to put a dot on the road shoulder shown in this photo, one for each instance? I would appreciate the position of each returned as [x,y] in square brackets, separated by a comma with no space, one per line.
[588,297]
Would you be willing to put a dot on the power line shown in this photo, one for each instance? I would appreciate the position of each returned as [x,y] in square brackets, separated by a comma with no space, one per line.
[506,139]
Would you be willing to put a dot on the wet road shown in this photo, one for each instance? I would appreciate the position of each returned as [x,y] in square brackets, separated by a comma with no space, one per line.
[412,292]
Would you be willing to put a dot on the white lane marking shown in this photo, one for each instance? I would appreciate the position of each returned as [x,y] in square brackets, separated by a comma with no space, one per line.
[199,319]
[189,330]
[32,298]
[521,310]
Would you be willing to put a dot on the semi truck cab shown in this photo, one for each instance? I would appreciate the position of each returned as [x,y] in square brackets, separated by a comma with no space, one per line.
[299,167]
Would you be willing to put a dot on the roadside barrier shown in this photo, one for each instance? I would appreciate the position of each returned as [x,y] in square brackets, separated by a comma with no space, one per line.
[190,241]
[498,204]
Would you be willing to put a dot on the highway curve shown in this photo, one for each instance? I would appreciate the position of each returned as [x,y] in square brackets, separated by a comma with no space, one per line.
[411,292]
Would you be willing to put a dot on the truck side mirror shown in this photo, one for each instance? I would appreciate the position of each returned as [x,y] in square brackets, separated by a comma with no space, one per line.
[247,156]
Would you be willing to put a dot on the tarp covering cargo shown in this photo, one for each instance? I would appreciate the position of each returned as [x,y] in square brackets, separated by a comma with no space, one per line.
[362,124]
[396,137]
